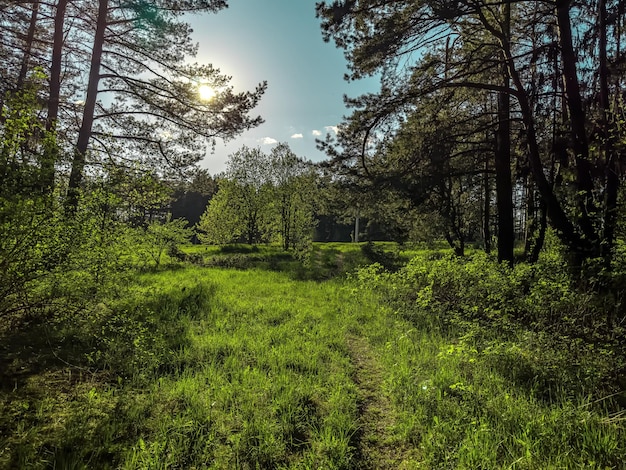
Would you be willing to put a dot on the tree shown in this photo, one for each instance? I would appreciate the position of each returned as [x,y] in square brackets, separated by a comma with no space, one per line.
[451,46]
[222,222]
[240,204]
[293,188]
[164,236]
[504,185]
[138,56]
[139,101]
[263,198]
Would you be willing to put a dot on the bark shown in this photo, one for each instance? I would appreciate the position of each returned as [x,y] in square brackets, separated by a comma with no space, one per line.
[84,135]
[531,217]
[580,144]
[504,186]
[487,208]
[559,219]
[541,236]
[51,151]
[612,181]
[30,36]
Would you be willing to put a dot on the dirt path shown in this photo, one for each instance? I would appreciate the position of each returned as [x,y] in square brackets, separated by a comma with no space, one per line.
[377,447]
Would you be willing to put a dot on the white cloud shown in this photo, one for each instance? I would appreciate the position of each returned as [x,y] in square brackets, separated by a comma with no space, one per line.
[316,133]
[267,141]
[297,136]
[334,129]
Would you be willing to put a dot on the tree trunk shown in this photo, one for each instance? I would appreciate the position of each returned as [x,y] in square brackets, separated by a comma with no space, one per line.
[30,36]
[531,217]
[356,224]
[611,171]
[560,221]
[487,208]
[84,135]
[541,236]
[580,145]
[51,149]
[504,186]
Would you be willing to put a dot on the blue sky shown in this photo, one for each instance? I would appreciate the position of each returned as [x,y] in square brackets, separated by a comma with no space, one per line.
[279,41]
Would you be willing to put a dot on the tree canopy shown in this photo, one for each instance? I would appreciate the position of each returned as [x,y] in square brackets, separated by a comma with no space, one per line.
[263,197]
[565,137]
[139,102]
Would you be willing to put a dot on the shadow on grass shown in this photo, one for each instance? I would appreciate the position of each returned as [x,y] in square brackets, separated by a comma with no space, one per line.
[50,369]
[323,262]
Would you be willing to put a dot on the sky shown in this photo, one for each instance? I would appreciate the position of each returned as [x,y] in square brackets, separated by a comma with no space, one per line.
[279,41]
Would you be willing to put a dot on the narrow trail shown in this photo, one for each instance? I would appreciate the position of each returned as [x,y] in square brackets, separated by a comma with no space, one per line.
[377,447]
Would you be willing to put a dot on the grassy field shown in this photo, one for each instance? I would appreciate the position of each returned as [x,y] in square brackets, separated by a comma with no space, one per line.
[250,359]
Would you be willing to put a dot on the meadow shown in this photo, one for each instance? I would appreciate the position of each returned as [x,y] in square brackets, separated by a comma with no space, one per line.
[359,357]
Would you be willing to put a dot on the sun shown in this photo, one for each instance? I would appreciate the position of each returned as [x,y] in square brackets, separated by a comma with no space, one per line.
[206,92]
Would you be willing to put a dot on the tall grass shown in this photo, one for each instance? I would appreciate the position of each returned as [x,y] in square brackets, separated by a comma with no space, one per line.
[485,373]
[206,366]
[197,368]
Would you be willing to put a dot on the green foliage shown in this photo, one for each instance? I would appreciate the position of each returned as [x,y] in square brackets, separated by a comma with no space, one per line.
[161,237]
[261,368]
[24,141]
[33,245]
[222,222]
[33,238]
[293,201]
[492,367]
[263,198]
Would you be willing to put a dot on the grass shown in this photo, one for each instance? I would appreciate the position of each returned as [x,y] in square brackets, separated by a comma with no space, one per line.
[284,365]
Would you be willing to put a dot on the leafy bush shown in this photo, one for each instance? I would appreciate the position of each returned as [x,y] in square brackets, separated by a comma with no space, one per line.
[160,238]
[477,299]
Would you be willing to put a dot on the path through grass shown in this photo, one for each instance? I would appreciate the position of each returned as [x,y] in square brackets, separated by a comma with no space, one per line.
[206,368]
[378,446]
[222,368]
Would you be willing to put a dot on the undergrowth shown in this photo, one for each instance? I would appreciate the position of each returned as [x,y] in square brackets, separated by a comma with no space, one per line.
[500,367]
[247,364]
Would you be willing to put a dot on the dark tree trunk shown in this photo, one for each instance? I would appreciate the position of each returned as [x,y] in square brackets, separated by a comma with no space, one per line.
[560,221]
[51,150]
[541,236]
[531,217]
[580,145]
[504,186]
[84,135]
[30,36]
[487,208]
[611,170]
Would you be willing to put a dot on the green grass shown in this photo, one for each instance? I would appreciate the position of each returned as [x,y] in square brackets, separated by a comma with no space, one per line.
[197,368]
[289,365]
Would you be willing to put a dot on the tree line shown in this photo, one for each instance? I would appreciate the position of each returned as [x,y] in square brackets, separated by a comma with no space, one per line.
[484,103]
[101,118]
[494,121]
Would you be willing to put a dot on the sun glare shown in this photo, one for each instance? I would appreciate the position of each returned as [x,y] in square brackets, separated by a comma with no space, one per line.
[206,92]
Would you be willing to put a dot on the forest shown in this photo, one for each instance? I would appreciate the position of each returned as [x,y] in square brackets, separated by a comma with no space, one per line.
[444,290]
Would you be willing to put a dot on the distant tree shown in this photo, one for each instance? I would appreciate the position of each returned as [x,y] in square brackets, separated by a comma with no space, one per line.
[240,204]
[223,221]
[293,197]
[191,198]
[263,198]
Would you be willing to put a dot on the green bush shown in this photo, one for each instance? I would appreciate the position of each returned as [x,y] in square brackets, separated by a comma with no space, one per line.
[541,307]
